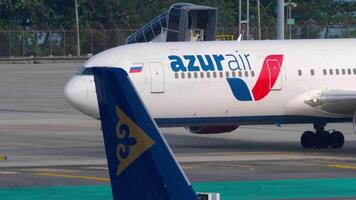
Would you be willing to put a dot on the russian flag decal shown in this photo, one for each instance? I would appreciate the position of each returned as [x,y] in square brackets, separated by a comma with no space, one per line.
[136,69]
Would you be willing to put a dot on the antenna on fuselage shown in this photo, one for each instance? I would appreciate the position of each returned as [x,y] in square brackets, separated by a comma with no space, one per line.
[239,38]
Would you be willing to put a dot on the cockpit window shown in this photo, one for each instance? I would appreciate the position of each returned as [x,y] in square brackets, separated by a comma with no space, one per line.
[87,72]
[80,71]
[84,71]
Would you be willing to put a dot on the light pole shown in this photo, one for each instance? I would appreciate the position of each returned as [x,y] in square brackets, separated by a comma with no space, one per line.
[77,23]
[290,20]
[280,20]
[290,17]
[259,19]
[240,16]
[247,21]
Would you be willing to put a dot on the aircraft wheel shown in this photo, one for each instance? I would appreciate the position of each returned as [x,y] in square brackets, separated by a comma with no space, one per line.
[337,140]
[322,140]
[308,139]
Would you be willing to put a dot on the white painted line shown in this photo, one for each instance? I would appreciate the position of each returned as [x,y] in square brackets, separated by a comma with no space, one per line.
[8,173]
[96,168]
[50,170]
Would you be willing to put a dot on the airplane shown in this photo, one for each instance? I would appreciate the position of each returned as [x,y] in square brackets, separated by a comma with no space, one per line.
[141,164]
[217,86]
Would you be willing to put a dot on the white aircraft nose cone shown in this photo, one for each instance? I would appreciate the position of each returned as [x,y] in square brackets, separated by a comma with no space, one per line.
[75,92]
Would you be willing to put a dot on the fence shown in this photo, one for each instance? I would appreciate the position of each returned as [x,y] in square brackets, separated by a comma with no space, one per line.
[41,43]
[59,41]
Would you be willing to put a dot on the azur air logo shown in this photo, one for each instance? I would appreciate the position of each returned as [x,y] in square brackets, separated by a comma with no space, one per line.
[214,62]
[132,141]
[270,71]
[237,61]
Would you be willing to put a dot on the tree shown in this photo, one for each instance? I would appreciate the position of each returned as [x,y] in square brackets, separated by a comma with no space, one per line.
[325,12]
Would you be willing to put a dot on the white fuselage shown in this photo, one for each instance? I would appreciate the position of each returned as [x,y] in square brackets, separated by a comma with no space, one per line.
[186,84]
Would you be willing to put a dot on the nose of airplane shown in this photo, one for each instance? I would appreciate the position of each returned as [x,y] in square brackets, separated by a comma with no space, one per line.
[75,92]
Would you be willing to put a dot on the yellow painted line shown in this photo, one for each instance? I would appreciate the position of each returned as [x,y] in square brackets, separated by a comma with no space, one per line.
[2,157]
[73,176]
[341,166]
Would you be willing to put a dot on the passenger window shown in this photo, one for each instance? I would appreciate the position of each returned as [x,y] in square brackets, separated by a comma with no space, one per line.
[349,71]
[195,74]
[240,74]
[183,75]
[201,74]
[312,72]
[343,71]
[189,75]
[227,75]
[253,73]
[246,73]
[337,72]
[234,74]
[176,75]
[354,70]
[300,72]
[325,72]
[214,74]
[208,75]
[331,72]
[221,74]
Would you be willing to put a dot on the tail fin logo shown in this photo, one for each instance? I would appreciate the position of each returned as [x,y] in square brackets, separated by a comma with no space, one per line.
[270,71]
[132,141]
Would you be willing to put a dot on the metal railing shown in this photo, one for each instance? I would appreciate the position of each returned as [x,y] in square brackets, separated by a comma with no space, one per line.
[58,41]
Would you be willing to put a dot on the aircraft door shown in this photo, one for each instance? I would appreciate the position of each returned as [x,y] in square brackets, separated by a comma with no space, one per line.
[157,77]
[275,71]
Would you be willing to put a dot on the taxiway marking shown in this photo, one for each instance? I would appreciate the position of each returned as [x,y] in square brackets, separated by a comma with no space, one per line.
[8,172]
[342,166]
[2,157]
[73,176]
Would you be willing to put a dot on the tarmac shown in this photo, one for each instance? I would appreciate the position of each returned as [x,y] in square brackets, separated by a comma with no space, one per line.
[48,150]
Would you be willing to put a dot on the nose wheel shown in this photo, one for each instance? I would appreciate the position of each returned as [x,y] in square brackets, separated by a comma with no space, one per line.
[322,139]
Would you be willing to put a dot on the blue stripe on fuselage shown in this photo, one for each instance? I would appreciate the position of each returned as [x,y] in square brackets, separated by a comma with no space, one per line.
[239,89]
[246,120]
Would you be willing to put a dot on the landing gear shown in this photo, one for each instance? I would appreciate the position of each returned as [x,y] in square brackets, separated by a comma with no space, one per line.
[322,139]
[337,140]
[308,139]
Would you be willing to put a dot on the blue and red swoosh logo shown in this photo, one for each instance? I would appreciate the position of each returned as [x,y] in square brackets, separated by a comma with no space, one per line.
[269,74]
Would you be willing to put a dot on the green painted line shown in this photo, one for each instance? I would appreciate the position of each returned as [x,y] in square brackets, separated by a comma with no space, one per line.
[282,189]
[57,193]
[247,190]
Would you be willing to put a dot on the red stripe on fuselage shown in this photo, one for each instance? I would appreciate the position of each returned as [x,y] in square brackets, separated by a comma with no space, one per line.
[270,71]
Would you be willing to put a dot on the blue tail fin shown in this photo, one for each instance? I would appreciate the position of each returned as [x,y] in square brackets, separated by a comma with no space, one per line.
[141,164]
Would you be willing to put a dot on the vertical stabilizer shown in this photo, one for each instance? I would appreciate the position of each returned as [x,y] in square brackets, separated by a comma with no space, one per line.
[141,164]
